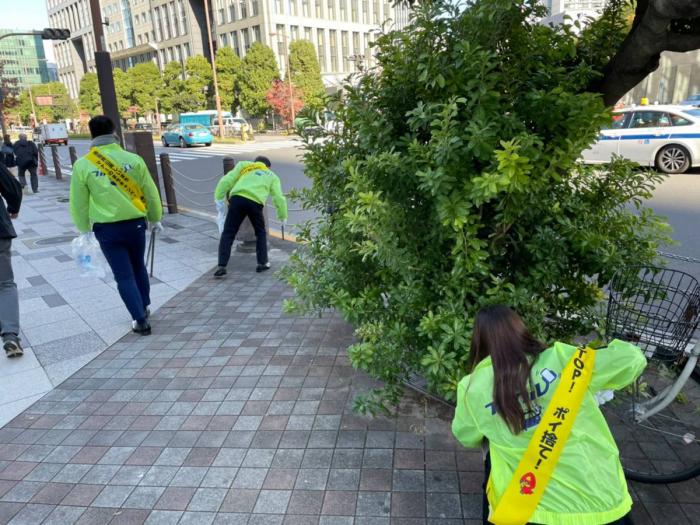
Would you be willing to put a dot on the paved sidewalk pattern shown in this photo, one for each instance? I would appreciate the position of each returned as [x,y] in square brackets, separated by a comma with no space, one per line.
[68,318]
[234,413]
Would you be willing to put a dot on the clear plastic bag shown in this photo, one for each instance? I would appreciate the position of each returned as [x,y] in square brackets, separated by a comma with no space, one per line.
[221,211]
[88,256]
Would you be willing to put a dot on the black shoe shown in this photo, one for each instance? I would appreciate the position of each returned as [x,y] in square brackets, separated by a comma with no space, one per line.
[262,267]
[220,271]
[12,346]
[141,328]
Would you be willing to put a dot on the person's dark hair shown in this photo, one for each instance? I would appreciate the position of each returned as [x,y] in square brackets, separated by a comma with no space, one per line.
[101,125]
[264,160]
[500,333]
[7,140]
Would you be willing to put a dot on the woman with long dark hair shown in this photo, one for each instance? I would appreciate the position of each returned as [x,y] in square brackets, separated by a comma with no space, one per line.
[501,403]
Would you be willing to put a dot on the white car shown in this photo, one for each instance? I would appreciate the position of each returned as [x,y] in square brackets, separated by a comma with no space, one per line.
[665,137]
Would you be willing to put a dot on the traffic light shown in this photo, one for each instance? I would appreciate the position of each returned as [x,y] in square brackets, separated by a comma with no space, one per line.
[51,33]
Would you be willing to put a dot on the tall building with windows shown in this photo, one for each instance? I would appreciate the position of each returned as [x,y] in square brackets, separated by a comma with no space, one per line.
[24,59]
[559,10]
[163,31]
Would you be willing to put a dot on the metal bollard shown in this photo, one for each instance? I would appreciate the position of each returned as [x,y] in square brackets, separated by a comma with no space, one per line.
[73,155]
[56,162]
[167,173]
[42,160]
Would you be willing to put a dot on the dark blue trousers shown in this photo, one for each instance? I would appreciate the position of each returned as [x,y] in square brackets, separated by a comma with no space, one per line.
[124,245]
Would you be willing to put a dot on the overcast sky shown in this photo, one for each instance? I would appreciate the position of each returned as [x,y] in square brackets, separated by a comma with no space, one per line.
[26,14]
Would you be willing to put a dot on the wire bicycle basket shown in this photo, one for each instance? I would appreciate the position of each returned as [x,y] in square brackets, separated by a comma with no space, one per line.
[655,308]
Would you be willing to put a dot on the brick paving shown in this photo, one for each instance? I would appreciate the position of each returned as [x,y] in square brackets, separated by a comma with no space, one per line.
[232,412]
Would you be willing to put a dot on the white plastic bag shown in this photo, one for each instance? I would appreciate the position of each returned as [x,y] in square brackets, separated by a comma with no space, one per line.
[221,211]
[88,256]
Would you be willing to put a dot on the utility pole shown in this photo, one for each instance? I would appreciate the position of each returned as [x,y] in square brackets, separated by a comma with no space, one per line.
[289,73]
[103,66]
[31,100]
[217,98]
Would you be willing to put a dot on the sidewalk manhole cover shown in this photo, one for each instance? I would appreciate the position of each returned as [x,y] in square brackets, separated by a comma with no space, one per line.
[59,239]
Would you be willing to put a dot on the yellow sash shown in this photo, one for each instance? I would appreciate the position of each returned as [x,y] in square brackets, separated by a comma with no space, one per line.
[119,177]
[530,479]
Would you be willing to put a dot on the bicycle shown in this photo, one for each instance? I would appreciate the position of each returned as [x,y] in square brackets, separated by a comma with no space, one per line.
[656,421]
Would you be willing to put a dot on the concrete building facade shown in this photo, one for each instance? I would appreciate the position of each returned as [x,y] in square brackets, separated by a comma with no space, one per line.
[559,10]
[163,31]
[677,77]
[24,59]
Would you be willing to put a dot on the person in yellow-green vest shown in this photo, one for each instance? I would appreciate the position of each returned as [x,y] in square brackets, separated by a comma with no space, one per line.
[245,190]
[502,401]
[112,194]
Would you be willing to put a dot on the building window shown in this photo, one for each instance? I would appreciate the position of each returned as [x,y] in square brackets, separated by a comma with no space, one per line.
[279,8]
[331,9]
[345,49]
[256,34]
[255,7]
[173,19]
[224,40]
[294,30]
[365,11]
[280,40]
[246,39]
[244,10]
[319,13]
[355,7]
[343,10]
[356,44]
[321,47]
[306,7]
[307,34]
[185,51]
[375,13]
[222,15]
[182,16]
[333,37]
[232,12]
[293,9]
[234,43]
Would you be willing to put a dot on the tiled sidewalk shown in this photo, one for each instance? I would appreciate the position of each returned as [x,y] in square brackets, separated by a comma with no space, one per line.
[234,413]
[66,318]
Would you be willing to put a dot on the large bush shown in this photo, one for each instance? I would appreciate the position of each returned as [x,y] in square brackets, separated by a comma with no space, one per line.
[455,183]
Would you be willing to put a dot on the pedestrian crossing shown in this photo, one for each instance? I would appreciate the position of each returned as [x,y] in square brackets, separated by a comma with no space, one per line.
[223,150]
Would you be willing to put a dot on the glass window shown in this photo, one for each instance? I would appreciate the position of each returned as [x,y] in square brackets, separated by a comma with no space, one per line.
[244,10]
[646,119]
[343,10]
[232,12]
[294,30]
[345,43]
[677,120]
[319,13]
[306,7]
[365,11]
[333,40]
[321,48]
[354,6]
[246,39]
[256,34]
[280,41]
[255,7]
[331,9]
[620,120]
[293,10]
[279,8]
[234,43]
[307,34]
[173,19]
[224,40]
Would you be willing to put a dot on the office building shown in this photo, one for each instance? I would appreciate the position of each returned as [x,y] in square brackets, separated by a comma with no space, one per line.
[582,10]
[163,31]
[676,79]
[24,61]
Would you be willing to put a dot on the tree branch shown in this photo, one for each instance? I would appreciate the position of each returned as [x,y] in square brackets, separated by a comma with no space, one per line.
[641,50]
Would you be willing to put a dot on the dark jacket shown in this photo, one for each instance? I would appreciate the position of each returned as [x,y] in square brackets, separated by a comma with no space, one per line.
[7,155]
[11,191]
[26,153]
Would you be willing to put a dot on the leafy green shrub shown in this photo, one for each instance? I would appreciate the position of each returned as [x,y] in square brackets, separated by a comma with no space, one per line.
[454,183]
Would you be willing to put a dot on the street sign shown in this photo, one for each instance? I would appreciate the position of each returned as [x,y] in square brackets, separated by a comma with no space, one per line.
[44,100]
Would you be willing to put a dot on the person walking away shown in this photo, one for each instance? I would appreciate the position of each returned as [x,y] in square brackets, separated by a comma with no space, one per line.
[7,155]
[507,399]
[246,188]
[112,192]
[11,192]
[27,155]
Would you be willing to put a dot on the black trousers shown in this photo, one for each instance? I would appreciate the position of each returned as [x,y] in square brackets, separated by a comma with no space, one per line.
[238,209]
[33,179]
[625,520]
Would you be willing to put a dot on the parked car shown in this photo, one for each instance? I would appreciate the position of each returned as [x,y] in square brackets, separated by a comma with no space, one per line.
[186,135]
[692,100]
[665,137]
[144,126]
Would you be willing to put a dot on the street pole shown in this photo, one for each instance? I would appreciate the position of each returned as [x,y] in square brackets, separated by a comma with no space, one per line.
[103,66]
[213,69]
[289,77]
[157,117]
[31,100]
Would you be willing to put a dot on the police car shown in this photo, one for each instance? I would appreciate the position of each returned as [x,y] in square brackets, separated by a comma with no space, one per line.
[665,137]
